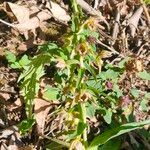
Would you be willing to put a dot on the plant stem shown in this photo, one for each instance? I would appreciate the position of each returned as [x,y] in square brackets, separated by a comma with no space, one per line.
[74,6]
[83,116]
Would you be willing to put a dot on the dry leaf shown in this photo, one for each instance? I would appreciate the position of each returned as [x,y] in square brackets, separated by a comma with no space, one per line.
[12,136]
[133,21]
[58,12]
[139,65]
[41,110]
[34,22]
[116,27]
[21,13]
[15,105]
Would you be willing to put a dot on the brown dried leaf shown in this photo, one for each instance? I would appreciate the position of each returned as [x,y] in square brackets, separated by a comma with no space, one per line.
[4,96]
[41,110]
[15,105]
[12,136]
[133,21]
[20,13]
[58,12]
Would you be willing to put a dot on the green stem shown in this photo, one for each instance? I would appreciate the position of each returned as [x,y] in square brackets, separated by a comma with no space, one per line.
[74,6]
[83,117]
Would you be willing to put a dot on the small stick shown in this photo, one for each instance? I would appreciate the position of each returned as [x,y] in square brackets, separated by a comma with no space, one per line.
[96,3]
[146,11]
[6,23]
[9,92]
[116,27]
[57,141]
[111,49]
[90,10]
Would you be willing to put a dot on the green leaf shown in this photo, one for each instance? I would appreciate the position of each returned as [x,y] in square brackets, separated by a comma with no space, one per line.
[91,70]
[15,65]
[72,61]
[48,46]
[144,75]
[26,125]
[51,93]
[24,61]
[80,128]
[90,110]
[88,32]
[147,95]
[111,133]
[147,2]
[10,56]
[109,74]
[73,24]
[121,64]
[117,90]
[80,77]
[135,93]
[108,116]
[113,144]
[143,105]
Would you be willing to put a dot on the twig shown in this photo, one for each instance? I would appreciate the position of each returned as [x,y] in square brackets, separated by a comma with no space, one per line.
[146,11]
[116,27]
[86,7]
[9,92]
[104,34]
[110,48]
[96,3]
[65,144]
[6,23]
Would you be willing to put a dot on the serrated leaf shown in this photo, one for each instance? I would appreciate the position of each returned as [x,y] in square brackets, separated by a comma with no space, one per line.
[91,70]
[144,75]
